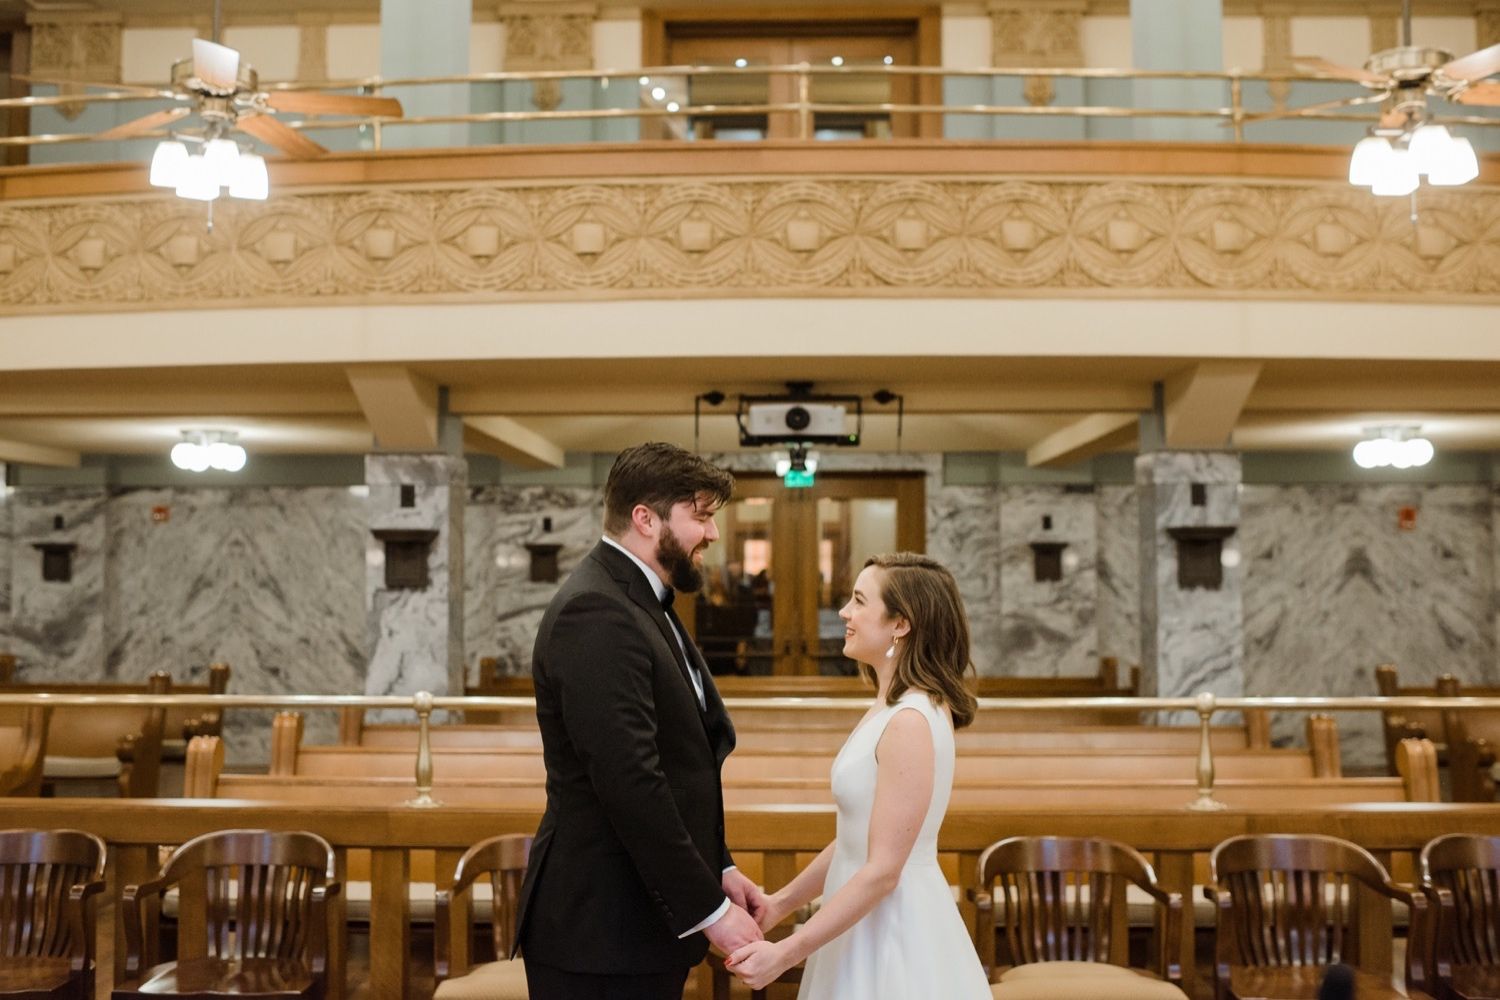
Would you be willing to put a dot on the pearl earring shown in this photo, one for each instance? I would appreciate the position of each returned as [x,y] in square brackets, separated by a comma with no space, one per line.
[890,650]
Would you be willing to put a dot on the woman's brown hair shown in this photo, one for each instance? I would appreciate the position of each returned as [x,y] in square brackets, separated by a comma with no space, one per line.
[934,655]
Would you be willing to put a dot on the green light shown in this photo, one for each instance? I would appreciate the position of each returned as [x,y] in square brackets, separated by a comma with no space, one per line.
[797,480]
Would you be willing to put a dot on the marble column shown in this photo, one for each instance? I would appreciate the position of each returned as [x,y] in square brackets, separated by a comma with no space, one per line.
[57,612]
[1178,35]
[415,632]
[421,38]
[1192,630]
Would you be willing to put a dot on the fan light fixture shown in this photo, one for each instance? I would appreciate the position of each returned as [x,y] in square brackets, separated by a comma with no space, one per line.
[1391,162]
[204,176]
[199,451]
[1397,447]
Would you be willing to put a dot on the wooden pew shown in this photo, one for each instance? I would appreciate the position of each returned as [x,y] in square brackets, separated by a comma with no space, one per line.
[1400,724]
[95,743]
[1473,737]
[23,745]
[179,724]
[8,663]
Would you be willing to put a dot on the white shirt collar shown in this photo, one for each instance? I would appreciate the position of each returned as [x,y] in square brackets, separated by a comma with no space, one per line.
[657,587]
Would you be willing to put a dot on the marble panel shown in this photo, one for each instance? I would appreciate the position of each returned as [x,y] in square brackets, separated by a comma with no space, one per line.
[1192,639]
[416,634]
[503,606]
[963,533]
[267,580]
[1334,587]
[1048,627]
[1117,522]
[57,628]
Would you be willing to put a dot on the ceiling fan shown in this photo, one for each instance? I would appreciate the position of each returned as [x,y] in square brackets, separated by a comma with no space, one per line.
[224,91]
[1406,144]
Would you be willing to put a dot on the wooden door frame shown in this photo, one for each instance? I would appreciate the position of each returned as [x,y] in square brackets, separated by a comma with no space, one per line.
[927,21]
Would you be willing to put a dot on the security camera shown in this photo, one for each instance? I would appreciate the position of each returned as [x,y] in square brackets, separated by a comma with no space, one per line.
[792,420]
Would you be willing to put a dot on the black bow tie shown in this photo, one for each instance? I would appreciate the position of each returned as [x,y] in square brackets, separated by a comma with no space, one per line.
[668,598]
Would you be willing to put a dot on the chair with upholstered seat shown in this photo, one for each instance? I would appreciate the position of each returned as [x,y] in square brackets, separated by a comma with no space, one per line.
[1461,877]
[48,879]
[252,918]
[503,860]
[1289,907]
[1052,921]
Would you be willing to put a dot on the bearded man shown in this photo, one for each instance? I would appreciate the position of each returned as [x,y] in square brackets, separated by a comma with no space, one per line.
[629,879]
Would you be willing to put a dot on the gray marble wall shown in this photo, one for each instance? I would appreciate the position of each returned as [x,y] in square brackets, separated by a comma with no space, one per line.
[56,628]
[416,634]
[1048,627]
[502,605]
[1192,637]
[1119,589]
[1334,587]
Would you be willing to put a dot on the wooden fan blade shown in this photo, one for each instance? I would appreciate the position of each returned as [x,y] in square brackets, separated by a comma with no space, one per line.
[311,102]
[1474,66]
[146,123]
[216,65]
[281,135]
[1479,93]
[1317,64]
[1271,116]
[130,88]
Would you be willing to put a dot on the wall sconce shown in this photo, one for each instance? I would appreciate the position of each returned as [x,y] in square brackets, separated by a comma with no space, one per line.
[406,556]
[544,568]
[1200,557]
[57,561]
[1047,561]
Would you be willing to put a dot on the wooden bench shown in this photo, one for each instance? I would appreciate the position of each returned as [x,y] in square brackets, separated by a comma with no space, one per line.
[89,744]
[23,745]
[1473,736]
[8,663]
[179,724]
[1429,723]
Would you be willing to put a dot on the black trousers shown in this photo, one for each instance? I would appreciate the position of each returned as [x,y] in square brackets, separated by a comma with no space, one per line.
[544,982]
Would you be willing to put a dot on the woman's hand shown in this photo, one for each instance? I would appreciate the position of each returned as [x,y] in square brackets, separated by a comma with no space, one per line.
[759,963]
[775,912]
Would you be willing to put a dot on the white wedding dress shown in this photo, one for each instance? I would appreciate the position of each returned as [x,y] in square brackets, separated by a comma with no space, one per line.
[913,945]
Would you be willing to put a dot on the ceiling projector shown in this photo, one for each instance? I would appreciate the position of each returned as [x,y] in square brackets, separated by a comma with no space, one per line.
[800,417]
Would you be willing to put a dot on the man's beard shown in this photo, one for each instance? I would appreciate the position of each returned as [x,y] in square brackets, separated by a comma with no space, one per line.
[682,574]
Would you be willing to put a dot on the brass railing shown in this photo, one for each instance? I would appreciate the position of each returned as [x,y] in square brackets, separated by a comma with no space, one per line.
[423,703]
[1234,113]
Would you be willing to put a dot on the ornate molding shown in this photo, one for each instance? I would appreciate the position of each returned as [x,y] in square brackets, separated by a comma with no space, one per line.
[83,46]
[728,237]
[1041,33]
[546,35]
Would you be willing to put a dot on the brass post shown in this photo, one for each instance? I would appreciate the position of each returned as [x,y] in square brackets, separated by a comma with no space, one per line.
[422,703]
[1205,802]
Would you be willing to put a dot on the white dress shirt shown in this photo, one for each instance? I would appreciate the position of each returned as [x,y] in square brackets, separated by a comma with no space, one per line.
[660,590]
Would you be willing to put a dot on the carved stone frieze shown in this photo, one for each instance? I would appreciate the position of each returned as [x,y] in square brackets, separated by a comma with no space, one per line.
[544,35]
[75,45]
[793,236]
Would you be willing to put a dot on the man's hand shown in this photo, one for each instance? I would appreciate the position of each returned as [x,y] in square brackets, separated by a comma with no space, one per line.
[733,930]
[747,895]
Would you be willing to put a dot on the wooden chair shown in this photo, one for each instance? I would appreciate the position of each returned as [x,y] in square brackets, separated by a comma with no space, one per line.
[503,859]
[23,746]
[47,879]
[252,918]
[1053,921]
[1461,876]
[1289,907]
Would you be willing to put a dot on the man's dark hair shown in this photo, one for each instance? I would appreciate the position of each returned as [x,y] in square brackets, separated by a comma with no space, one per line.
[660,475]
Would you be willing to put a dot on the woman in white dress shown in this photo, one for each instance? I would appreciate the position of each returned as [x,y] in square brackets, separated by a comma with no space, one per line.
[888,928]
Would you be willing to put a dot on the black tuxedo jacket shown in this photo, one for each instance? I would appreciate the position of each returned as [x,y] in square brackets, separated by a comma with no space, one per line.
[631,847]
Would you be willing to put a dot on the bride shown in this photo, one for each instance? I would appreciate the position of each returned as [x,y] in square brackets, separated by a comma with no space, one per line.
[888,928]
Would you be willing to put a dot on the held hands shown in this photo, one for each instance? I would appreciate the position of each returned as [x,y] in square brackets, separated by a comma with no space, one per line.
[748,896]
[759,963]
[734,930]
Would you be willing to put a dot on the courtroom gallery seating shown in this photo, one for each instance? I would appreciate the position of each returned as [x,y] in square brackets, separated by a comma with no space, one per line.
[1461,877]
[23,745]
[503,861]
[1289,907]
[48,881]
[252,918]
[1053,923]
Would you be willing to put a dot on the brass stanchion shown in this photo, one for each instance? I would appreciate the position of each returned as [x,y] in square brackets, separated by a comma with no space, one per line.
[1205,802]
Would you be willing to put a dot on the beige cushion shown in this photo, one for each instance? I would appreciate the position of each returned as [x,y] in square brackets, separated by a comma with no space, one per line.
[1037,970]
[1082,986]
[81,767]
[490,981]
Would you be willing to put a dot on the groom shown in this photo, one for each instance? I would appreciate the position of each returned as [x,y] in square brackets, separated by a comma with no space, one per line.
[630,879]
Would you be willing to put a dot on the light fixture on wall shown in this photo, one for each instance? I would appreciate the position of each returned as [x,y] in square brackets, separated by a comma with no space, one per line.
[1395,446]
[199,451]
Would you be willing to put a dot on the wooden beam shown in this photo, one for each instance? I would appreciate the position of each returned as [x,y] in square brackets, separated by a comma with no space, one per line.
[1083,439]
[401,407]
[37,454]
[1203,403]
[86,399]
[511,441]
